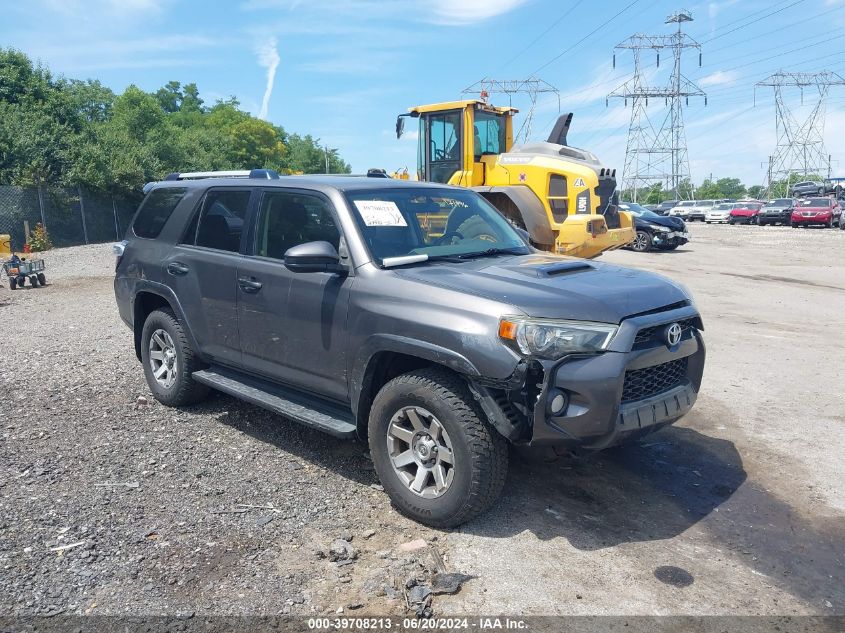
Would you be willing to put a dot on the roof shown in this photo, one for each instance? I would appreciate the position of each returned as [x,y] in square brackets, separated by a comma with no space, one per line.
[310,181]
[458,105]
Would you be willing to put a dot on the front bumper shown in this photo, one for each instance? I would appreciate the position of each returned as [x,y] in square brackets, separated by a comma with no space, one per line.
[812,219]
[743,219]
[596,416]
[670,238]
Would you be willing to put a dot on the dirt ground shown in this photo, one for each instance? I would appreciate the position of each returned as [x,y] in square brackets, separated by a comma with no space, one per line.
[738,509]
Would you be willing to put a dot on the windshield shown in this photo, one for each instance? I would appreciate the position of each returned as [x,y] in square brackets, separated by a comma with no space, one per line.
[688,203]
[780,202]
[638,210]
[725,206]
[816,202]
[489,131]
[436,222]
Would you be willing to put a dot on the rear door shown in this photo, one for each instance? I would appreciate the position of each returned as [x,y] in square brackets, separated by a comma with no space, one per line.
[202,270]
[293,325]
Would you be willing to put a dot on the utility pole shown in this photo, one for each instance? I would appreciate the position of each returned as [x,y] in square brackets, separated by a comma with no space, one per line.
[531,86]
[658,153]
[799,145]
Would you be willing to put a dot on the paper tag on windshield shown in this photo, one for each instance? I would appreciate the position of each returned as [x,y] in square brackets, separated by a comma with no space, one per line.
[380,213]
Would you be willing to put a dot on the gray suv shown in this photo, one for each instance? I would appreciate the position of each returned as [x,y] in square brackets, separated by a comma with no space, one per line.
[410,315]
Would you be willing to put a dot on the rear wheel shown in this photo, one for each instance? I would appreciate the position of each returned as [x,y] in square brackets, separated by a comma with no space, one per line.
[13,283]
[42,279]
[439,461]
[169,362]
[33,281]
[642,242]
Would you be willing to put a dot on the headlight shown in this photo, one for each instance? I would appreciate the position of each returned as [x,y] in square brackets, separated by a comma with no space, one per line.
[660,229]
[552,339]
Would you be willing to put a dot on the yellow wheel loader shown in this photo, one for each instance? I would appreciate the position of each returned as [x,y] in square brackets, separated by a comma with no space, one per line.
[560,195]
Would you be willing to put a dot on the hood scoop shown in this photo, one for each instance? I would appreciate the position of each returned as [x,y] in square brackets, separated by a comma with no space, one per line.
[564,268]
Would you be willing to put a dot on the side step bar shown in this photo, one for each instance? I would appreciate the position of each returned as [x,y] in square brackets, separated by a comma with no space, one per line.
[299,407]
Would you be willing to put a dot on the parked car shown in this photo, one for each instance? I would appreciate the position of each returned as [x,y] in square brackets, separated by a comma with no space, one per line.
[817,211]
[720,212]
[683,209]
[651,207]
[343,305]
[777,211]
[807,188]
[699,211]
[664,207]
[655,231]
[745,212]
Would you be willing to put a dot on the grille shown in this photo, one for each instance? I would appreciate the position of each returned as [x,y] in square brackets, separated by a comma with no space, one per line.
[649,381]
[648,334]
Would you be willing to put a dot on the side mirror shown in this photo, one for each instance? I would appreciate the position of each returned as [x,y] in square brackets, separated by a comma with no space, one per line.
[400,126]
[313,257]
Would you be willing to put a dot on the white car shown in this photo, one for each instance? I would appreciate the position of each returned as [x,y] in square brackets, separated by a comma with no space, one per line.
[683,209]
[720,213]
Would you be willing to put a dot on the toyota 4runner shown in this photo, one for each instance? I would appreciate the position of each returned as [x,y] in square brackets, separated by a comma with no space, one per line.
[410,315]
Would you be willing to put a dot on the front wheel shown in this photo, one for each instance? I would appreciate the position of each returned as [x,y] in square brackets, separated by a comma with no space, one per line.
[439,461]
[169,362]
[42,279]
[642,242]
[13,283]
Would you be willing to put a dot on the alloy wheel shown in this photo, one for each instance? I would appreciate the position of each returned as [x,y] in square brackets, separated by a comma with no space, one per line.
[163,359]
[420,452]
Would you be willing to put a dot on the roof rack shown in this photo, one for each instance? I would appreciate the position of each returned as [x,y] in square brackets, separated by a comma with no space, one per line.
[263,174]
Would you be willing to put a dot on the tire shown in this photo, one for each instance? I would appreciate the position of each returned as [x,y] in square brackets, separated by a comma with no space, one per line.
[175,387]
[793,225]
[669,247]
[42,279]
[642,242]
[33,281]
[402,416]
[731,222]
[821,191]
[829,224]
[13,283]
[21,282]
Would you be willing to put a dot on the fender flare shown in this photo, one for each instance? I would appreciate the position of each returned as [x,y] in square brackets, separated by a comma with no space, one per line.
[363,368]
[530,208]
[151,287]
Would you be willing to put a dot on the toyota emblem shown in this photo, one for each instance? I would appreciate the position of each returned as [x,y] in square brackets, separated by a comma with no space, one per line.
[673,334]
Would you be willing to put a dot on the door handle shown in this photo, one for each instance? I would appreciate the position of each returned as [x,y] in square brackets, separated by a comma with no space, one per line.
[249,285]
[177,268]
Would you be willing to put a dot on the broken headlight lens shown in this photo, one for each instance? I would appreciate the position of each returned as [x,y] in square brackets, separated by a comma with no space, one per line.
[553,339]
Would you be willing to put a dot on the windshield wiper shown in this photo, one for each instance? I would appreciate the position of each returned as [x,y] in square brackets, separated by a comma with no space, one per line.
[513,250]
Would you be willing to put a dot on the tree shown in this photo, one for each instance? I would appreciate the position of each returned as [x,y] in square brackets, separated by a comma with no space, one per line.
[754,191]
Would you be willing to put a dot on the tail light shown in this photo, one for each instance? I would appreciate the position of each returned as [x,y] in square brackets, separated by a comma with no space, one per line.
[118,248]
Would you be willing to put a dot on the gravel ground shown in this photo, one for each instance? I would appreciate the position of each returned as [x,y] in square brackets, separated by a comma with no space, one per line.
[224,508]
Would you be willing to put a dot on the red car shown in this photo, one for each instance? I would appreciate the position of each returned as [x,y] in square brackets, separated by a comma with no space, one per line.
[745,213]
[823,211]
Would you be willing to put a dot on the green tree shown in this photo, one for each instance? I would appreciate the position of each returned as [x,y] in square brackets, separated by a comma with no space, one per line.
[754,191]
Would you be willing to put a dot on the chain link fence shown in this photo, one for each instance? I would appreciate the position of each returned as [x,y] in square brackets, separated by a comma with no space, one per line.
[72,216]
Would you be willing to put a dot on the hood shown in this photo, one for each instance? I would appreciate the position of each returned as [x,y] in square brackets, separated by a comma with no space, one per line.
[554,287]
[669,221]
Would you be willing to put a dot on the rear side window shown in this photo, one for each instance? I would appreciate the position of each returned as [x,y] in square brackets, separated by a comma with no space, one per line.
[220,222]
[155,211]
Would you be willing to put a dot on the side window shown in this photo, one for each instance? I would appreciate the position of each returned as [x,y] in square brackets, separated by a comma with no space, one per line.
[221,220]
[155,211]
[287,219]
[444,142]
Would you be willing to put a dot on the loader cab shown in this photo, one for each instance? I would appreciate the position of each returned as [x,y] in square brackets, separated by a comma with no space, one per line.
[455,138]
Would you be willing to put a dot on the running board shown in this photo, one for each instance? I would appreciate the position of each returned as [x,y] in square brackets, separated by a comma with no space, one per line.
[299,407]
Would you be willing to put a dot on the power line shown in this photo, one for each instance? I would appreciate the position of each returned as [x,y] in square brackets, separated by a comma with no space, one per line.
[539,37]
[748,16]
[583,39]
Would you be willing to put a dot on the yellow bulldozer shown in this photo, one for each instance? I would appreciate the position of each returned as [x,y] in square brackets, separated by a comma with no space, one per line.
[560,195]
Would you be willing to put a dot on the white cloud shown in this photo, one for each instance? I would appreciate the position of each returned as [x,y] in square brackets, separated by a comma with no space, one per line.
[268,57]
[470,11]
[718,78]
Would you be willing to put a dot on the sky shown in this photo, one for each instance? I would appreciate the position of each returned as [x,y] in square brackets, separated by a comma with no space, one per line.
[341,70]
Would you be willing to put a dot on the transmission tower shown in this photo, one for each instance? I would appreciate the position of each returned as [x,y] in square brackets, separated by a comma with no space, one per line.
[657,153]
[532,86]
[799,147]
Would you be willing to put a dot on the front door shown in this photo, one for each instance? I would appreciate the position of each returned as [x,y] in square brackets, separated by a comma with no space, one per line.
[293,325]
[202,269]
[442,145]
